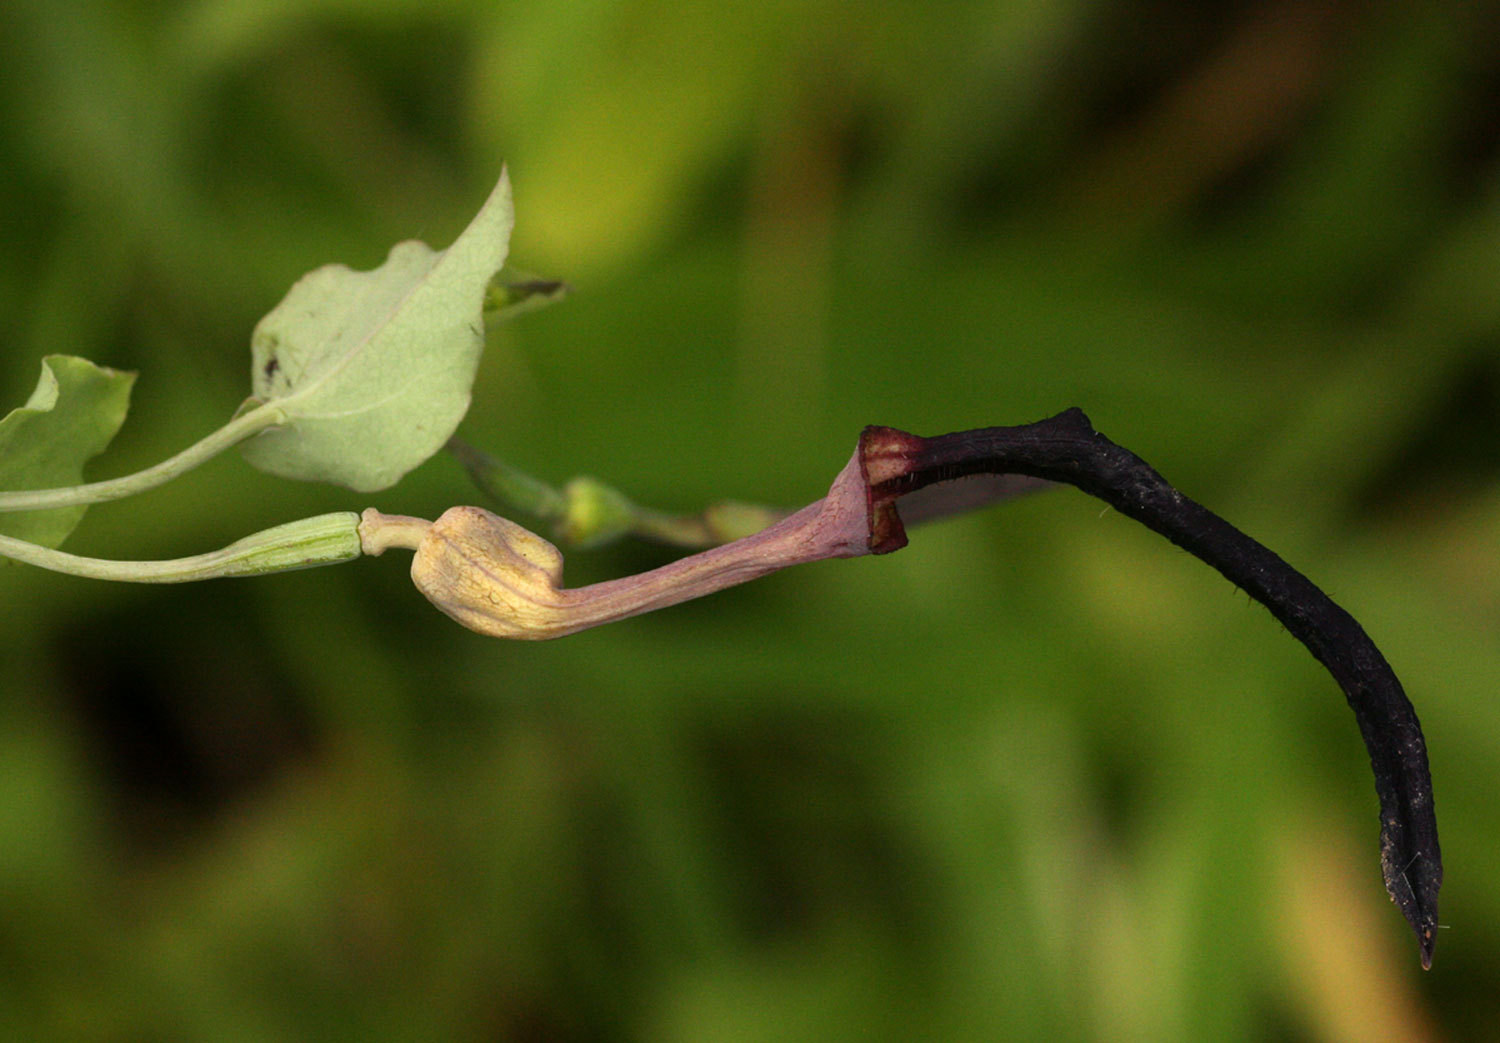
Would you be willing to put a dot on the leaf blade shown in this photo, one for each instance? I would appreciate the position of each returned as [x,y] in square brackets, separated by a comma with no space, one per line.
[71,417]
[373,370]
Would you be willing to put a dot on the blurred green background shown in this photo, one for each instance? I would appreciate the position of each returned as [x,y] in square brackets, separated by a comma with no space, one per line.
[1039,775]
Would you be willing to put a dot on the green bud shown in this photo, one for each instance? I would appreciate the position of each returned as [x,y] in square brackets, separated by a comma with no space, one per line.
[594,513]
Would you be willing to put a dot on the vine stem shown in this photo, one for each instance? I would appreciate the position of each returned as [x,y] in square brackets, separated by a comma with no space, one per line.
[237,430]
[326,539]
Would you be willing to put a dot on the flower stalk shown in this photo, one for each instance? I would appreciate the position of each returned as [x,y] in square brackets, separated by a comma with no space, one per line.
[309,542]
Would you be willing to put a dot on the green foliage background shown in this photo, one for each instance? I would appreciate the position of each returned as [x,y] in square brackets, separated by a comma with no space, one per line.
[1037,776]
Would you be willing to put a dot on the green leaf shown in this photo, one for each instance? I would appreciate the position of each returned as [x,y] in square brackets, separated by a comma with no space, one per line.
[76,409]
[372,371]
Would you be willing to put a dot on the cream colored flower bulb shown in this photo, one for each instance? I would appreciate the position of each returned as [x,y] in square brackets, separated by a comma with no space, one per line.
[492,575]
[498,579]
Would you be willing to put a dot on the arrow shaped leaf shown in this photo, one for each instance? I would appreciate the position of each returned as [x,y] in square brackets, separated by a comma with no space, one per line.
[75,411]
[372,371]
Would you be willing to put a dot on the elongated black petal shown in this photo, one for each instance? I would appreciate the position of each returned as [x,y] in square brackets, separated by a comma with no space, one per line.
[1066,448]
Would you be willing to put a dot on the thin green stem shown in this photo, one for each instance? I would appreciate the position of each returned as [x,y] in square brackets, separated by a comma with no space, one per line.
[589,513]
[323,540]
[719,523]
[512,487]
[232,433]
